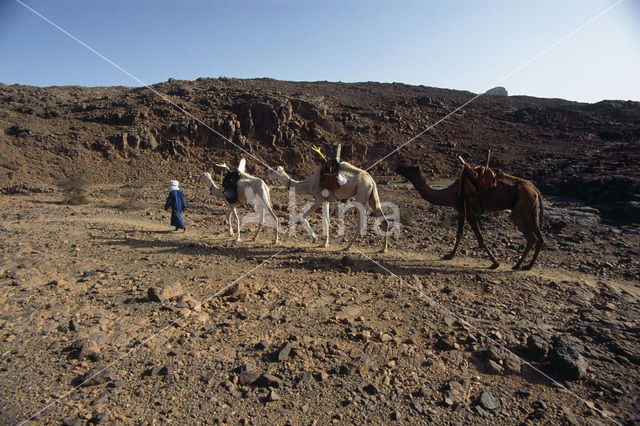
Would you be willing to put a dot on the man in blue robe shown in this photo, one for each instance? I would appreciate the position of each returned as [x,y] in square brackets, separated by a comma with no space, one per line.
[175,200]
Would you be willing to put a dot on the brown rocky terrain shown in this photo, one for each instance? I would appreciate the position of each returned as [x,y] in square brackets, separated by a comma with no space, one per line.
[194,329]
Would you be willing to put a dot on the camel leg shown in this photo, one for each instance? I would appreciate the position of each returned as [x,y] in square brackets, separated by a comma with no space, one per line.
[325,221]
[473,221]
[386,233]
[316,204]
[524,253]
[255,237]
[275,218]
[355,234]
[229,213]
[459,233]
[534,237]
[376,208]
[235,215]
[386,225]
[539,244]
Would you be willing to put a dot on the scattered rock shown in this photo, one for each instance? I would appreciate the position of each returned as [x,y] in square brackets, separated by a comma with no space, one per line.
[283,354]
[567,360]
[248,377]
[357,365]
[268,380]
[494,368]
[488,401]
[537,348]
[371,389]
[95,376]
[235,290]
[273,396]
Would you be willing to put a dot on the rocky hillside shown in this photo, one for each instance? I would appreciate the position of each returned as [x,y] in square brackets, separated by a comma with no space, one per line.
[123,134]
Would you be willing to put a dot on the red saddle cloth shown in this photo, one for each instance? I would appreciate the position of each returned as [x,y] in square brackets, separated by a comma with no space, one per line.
[329,174]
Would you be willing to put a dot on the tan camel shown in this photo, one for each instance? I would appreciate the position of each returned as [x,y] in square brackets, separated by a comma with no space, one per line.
[251,190]
[359,184]
[518,195]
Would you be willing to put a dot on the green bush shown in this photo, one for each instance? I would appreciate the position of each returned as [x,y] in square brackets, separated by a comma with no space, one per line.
[75,188]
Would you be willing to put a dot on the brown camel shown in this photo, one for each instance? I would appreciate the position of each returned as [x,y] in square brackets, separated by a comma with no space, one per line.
[510,192]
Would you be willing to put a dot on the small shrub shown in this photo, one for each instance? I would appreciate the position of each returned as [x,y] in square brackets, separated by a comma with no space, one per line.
[75,188]
[132,201]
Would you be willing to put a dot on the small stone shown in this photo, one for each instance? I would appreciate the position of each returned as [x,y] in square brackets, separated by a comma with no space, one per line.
[247,377]
[87,348]
[371,389]
[494,368]
[98,418]
[488,401]
[235,290]
[385,337]
[445,343]
[262,345]
[273,396]
[537,348]
[306,377]
[481,411]
[269,380]
[493,353]
[358,365]
[73,421]
[283,354]
[166,370]
[95,376]
[249,366]
[524,392]
[539,405]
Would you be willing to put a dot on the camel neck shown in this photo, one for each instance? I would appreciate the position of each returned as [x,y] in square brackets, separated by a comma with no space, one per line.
[440,197]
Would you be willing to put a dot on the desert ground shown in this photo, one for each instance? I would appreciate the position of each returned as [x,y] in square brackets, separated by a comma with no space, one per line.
[194,328]
[109,317]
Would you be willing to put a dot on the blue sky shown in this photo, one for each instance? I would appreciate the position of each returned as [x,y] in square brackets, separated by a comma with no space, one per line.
[466,45]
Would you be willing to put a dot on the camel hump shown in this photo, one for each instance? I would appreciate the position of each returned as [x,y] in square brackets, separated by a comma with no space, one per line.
[242,166]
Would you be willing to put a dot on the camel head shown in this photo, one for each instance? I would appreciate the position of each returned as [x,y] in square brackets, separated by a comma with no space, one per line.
[408,172]
[279,171]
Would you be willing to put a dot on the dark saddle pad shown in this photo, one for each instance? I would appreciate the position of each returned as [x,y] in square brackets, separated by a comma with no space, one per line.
[230,186]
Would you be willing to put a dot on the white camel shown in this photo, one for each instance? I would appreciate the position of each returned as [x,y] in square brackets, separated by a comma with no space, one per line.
[359,183]
[250,190]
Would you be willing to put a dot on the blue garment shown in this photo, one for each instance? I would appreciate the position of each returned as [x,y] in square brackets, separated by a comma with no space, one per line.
[177,204]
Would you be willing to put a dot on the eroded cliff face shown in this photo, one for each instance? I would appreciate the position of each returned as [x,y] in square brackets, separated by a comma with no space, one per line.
[124,134]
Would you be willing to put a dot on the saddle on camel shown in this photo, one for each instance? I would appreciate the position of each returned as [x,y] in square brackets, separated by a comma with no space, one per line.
[473,183]
[330,178]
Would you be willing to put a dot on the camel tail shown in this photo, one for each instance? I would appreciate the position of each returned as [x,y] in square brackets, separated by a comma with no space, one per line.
[374,199]
[541,209]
